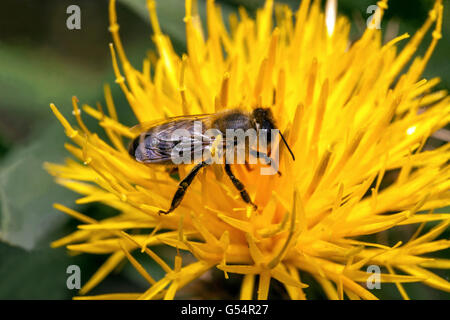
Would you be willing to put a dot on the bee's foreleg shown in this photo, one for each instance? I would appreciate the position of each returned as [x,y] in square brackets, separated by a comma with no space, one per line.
[182,187]
[247,165]
[239,186]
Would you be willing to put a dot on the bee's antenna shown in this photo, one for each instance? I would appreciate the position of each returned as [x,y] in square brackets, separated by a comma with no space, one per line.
[290,151]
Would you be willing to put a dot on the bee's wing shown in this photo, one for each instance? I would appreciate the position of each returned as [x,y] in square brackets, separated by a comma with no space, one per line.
[145,126]
[157,143]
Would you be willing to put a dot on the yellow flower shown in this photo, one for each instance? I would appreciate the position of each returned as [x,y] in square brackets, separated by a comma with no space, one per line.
[350,117]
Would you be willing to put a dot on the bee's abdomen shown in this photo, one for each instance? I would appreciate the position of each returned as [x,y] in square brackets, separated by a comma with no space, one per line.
[147,148]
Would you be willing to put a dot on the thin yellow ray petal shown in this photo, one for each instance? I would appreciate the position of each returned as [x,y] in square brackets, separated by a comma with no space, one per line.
[431,235]
[76,236]
[357,289]
[192,271]
[104,246]
[429,247]
[436,263]
[137,265]
[70,132]
[361,276]
[203,230]
[151,236]
[153,255]
[328,287]
[110,264]
[351,295]
[77,113]
[74,214]
[108,122]
[431,279]
[281,275]
[240,269]
[340,289]
[117,225]
[263,287]
[170,294]
[247,287]
[202,252]
[418,218]
[155,289]
[398,285]
[236,223]
[299,293]
[371,256]
[110,296]
[289,238]
[255,252]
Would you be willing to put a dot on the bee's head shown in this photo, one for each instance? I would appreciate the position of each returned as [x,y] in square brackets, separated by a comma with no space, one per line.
[264,120]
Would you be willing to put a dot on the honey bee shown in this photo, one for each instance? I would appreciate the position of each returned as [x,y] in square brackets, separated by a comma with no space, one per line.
[162,142]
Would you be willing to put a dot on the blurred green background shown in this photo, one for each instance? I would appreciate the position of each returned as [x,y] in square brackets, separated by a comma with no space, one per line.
[41,61]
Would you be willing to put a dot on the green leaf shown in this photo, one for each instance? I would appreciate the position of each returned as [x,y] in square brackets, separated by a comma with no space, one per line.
[4,147]
[42,273]
[31,82]
[27,191]
[37,275]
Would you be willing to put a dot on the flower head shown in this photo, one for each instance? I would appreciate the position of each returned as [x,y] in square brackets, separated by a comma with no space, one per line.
[351,119]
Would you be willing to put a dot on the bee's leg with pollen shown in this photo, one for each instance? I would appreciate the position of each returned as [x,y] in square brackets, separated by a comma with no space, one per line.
[182,187]
[238,184]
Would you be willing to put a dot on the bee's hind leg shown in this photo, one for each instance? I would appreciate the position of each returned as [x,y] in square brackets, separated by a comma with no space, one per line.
[182,187]
[239,186]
